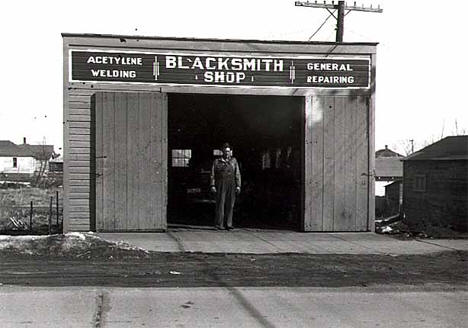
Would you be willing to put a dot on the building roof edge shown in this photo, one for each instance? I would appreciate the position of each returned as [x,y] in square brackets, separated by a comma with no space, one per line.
[142,37]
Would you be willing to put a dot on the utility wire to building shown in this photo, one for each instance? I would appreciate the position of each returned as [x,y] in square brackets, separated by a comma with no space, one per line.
[340,8]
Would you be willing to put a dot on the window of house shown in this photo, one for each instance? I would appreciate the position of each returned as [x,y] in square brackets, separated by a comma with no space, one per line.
[419,183]
[181,157]
[15,162]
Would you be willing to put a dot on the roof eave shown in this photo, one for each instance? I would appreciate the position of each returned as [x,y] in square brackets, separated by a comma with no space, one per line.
[143,37]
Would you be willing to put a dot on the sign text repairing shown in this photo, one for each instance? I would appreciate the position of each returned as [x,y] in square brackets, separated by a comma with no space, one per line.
[219,70]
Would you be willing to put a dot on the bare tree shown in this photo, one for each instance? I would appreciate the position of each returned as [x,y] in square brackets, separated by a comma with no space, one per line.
[42,154]
[457,130]
[406,146]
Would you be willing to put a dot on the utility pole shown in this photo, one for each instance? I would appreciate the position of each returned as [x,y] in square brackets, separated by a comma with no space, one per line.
[340,7]
[340,21]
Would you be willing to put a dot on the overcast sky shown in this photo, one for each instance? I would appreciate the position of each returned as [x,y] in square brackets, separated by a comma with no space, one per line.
[421,57]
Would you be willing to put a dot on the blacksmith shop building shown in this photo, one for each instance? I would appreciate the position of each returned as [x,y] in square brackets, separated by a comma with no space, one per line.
[145,117]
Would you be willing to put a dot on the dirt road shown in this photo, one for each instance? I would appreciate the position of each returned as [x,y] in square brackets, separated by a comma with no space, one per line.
[445,270]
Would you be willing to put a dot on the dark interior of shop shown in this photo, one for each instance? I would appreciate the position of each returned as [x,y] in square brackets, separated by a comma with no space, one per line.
[265,134]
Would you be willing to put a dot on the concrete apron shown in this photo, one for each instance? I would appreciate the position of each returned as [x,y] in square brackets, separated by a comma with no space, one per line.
[254,241]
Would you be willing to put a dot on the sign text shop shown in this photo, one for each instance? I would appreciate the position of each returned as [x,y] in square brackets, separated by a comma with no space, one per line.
[229,70]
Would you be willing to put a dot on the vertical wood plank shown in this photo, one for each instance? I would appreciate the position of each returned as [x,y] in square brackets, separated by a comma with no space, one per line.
[98,108]
[339,177]
[350,166]
[318,104]
[139,165]
[164,147]
[328,163]
[108,162]
[120,171]
[146,197]
[362,166]
[307,179]
[133,188]
[156,157]
[159,155]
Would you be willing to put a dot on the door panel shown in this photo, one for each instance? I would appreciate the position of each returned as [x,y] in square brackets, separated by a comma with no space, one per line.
[337,161]
[131,166]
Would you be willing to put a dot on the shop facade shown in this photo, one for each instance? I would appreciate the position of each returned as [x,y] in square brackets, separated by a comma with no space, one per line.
[143,119]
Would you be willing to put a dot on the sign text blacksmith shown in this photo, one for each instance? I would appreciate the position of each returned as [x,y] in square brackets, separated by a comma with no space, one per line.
[219,70]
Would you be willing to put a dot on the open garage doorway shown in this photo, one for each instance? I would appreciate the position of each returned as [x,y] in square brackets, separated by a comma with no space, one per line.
[266,136]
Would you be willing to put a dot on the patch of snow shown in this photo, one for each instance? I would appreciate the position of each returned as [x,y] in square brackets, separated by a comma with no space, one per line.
[78,235]
[387,229]
[128,247]
[175,272]
[69,243]
[21,238]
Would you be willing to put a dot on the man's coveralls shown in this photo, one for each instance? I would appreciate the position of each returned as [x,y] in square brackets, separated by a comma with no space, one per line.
[225,176]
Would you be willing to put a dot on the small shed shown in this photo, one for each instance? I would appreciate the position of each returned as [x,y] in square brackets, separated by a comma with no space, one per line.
[435,181]
[393,198]
[56,164]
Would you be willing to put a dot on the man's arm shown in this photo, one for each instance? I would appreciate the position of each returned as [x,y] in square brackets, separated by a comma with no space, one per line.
[212,175]
[238,174]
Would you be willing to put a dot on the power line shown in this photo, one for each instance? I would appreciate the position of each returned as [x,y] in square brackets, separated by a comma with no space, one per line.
[326,19]
[340,7]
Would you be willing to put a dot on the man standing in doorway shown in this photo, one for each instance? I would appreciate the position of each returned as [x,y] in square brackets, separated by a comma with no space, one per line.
[225,183]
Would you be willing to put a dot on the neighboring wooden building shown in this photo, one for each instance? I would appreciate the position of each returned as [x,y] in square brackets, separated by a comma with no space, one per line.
[388,181]
[394,198]
[21,162]
[133,103]
[435,183]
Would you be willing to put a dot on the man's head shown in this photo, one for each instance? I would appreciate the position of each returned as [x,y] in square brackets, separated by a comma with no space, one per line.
[226,149]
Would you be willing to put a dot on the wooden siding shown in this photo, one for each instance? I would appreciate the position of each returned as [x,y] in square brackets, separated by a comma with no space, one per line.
[440,202]
[336,164]
[77,160]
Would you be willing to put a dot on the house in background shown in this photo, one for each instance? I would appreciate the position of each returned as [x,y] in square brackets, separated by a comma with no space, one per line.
[388,182]
[435,183]
[56,164]
[22,162]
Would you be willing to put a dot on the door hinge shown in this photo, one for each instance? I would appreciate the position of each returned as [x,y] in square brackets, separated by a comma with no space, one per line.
[369,174]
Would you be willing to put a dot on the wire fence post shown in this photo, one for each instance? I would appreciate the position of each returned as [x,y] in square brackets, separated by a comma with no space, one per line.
[30,217]
[57,209]
[50,215]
